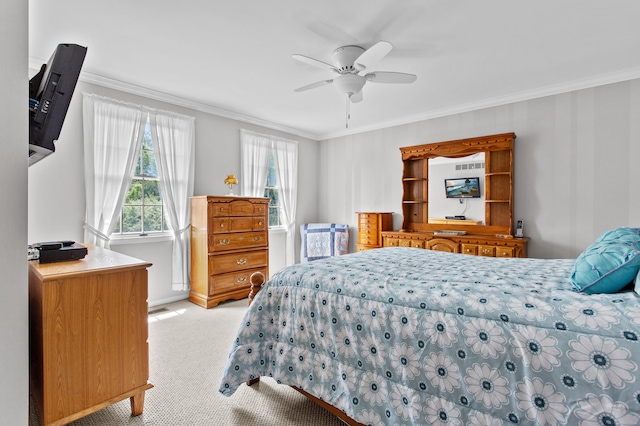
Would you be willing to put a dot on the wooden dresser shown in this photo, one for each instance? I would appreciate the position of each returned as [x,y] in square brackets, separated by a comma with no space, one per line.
[370,227]
[88,335]
[229,242]
[476,245]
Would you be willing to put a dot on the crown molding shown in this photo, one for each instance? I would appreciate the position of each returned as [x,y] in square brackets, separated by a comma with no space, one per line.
[526,95]
[555,89]
[133,89]
[188,103]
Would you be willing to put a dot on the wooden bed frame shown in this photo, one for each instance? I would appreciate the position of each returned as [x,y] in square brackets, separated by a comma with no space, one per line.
[257,280]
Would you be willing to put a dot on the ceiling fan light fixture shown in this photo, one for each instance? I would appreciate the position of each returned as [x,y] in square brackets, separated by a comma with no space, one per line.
[349,84]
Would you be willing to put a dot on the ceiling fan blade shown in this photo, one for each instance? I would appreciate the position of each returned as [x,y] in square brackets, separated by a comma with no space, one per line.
[390,77]
[372,55]
[314,62]
[313,85]
[356,97]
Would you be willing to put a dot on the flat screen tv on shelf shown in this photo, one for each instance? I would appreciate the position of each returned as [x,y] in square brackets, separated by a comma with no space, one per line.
[50,93]
[462,187]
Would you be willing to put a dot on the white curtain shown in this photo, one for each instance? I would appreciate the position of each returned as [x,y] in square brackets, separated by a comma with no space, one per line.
[286,154]
[113,134]
[173,143]
[254,154]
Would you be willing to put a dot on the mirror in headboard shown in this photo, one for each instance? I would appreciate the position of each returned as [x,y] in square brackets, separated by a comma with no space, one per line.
[498,183]
[456,187]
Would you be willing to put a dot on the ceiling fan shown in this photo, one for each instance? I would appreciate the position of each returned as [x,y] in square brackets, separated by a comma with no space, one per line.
[351,65]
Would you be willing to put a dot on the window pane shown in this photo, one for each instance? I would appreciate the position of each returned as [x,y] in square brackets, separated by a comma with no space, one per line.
[152,218]
[149,163]
[272,193]
[134,196]
[274,216]
[152,192]
[147,158]
[147,142]
[132,219]
[272,178]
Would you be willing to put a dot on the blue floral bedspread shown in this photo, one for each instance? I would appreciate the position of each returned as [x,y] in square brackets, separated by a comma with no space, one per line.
[401,336]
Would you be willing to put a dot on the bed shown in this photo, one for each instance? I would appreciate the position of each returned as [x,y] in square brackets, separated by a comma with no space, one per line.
[403,336]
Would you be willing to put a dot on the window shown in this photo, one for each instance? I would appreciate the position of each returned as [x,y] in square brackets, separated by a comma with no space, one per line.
[143,211]
[271,191]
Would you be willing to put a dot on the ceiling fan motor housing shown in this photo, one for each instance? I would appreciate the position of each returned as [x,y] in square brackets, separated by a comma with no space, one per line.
[344,57]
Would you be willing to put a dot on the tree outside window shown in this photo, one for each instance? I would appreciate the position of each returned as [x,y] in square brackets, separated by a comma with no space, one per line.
[143,212]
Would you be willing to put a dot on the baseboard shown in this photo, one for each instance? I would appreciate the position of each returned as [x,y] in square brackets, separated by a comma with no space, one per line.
[169,299]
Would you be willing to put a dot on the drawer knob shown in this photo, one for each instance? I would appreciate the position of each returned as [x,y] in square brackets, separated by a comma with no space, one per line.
[222,225]
[256,239]
[241,279]
[225,242]
[260,223]
[241,261]
[486,251]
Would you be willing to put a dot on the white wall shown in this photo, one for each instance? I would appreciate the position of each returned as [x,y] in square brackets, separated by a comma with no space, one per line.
[56,184]
[577,165]
[14,332]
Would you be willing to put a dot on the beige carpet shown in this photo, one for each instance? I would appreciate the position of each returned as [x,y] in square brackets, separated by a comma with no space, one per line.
[188,348]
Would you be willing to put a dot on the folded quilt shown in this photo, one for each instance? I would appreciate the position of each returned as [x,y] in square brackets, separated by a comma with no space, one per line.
[322,240]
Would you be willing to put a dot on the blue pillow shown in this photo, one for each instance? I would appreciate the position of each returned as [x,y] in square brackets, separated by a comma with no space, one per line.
[636,287]
[622,234]
[606,267]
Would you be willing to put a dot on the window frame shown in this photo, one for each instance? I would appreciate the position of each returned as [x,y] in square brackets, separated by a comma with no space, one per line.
[165,233]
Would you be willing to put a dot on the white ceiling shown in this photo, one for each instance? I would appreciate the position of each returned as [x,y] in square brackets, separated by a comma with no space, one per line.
[233,58]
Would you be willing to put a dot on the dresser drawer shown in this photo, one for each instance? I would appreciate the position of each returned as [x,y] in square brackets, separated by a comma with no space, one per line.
[232,241]
[489,251]
[232,281]
[404,243]
[471,249]
[391,242]
[368,222]
[233,208]
[367,231]
[417,244]
[259,223]
[260,209]
[232,224]
[368,239]
[233,262]
[505,251]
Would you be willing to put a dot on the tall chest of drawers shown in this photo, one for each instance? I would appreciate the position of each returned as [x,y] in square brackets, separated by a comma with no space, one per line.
[370,227]
[229,242]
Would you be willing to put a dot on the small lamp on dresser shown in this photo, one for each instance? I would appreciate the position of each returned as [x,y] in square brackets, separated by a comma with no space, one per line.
[231,181]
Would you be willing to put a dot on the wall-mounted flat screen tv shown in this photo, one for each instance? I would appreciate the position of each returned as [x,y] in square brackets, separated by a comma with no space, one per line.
[50,93]
[462,187]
